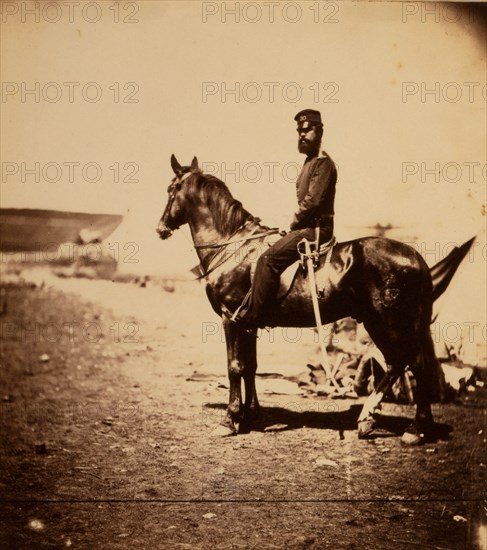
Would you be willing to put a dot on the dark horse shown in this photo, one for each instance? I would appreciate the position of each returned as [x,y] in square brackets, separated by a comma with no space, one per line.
[383,283]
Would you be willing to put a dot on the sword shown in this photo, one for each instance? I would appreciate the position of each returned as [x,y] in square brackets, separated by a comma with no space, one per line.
[308,257]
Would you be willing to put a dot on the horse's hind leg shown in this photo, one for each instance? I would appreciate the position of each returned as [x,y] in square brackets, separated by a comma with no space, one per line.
[366,421]
[423,367]
[425,370]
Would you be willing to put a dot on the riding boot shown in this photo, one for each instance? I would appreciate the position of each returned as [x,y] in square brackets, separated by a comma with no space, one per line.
[264,290]
[268,270]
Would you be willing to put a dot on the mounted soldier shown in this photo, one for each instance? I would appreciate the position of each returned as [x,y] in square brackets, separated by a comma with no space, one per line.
[384,284]
[313,220]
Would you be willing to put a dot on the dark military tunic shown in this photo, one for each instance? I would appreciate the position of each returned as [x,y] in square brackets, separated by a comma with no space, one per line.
[315,189]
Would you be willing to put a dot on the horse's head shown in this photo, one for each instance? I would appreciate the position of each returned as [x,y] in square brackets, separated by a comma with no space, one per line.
[175,214]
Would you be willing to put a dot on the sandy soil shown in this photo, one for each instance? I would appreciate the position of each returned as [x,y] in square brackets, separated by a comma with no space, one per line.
[106,444]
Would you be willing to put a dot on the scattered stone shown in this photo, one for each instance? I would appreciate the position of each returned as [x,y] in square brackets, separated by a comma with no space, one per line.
[276,428]
[480,432]
[8,399]
[40,448]
[412,439]
[36,524]
[325,462]
[109,420]
[44,358]
[220,471]
[222,431]
[433,450]
[385,450]
[209,515]
[459,519]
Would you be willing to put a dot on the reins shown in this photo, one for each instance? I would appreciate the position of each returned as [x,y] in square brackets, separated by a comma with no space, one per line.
[232,241]
[220,245]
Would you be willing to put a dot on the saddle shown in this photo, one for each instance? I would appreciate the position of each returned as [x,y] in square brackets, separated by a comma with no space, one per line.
[288,276]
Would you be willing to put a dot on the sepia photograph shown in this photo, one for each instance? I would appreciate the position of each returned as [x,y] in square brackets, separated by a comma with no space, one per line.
[243,299]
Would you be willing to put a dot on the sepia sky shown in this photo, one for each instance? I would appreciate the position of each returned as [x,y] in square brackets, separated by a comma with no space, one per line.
[401,90]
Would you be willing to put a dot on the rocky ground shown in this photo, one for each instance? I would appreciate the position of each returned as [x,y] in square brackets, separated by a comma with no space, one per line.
[106,443]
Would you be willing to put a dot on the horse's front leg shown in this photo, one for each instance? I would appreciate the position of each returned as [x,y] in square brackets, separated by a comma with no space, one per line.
[366,420]
[235,365]
[248,345]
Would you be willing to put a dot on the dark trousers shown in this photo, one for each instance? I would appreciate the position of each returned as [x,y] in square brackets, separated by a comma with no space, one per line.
[269,267]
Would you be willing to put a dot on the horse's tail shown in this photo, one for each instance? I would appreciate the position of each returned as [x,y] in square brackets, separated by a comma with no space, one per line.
[442,272]
[434,377]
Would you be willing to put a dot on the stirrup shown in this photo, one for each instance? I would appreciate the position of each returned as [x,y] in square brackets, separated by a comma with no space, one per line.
[234,316]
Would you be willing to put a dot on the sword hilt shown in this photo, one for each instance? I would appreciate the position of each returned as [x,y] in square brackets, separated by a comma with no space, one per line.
[308,250]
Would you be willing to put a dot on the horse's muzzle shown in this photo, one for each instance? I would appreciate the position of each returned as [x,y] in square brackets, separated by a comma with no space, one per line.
[164,231]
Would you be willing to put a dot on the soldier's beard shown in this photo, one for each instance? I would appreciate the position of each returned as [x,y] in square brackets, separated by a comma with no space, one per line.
[308,147]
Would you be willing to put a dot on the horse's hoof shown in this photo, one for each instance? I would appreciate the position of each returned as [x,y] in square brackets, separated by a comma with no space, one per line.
[365,428]
[223,431]
[411,438]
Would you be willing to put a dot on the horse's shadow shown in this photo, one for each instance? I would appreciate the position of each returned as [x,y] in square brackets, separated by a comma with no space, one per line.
[279,419]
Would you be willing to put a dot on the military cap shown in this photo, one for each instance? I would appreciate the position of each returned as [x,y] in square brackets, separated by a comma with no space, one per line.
[308,115]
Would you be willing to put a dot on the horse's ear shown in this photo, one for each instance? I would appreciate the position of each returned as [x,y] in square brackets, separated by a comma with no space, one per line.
[175,165]
[194,165]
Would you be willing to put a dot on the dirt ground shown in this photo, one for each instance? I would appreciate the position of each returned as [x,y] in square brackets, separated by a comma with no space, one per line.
[106,444]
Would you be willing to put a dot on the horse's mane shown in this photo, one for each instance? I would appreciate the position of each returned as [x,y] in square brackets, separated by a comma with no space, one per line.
[228,213]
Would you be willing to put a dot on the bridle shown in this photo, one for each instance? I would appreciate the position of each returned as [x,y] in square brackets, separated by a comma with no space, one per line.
[256,232]
[176,186]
